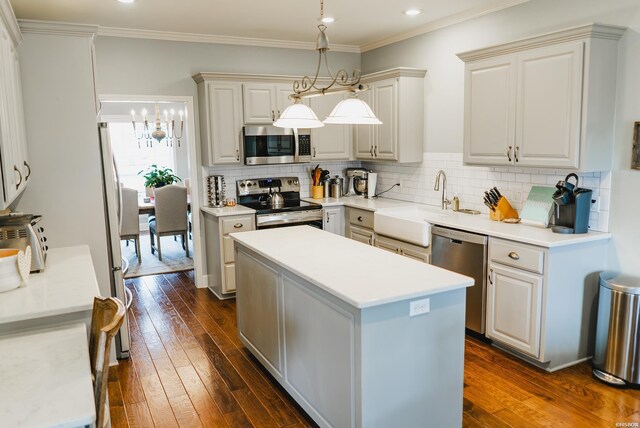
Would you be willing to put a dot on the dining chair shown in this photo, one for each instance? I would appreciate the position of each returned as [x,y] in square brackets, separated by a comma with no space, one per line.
[187,184]
[170,218]
[106,320]
[130,219]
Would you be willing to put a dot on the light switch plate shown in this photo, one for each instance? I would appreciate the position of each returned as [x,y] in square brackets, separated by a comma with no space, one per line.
[419,307]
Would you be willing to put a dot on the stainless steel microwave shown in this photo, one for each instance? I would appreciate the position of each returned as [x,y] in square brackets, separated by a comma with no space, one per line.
[264,145]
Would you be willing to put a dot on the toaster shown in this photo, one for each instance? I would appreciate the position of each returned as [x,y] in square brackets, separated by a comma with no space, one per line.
[23,231]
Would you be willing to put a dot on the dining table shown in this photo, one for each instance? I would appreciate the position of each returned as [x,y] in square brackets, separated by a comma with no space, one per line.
[149,207]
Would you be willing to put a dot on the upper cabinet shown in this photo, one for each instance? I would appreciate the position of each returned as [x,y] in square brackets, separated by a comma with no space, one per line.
[547,101]
[265,102]
[330,142]
[16,171]
[220,109]
[397,98]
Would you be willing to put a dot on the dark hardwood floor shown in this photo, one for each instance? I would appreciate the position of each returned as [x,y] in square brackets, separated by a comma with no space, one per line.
[188,368]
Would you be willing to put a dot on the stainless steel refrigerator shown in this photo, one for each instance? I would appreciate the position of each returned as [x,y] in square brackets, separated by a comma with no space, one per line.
[113,204]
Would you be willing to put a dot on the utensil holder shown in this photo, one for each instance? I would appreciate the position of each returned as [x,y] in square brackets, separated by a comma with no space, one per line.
[317,192]
[504,210]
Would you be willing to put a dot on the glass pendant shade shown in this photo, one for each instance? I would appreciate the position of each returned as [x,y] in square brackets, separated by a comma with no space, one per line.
[352,111]
[298,115]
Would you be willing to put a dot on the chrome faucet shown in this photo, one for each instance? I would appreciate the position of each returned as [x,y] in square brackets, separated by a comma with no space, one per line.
[436,187]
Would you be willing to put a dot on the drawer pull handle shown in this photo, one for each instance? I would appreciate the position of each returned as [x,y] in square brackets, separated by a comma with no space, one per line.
[491,276]
[509,154]
[360,219]
[514,256]
[238,225]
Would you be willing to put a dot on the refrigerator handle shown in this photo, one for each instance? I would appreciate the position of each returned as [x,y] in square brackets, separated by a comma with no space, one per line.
[128,298]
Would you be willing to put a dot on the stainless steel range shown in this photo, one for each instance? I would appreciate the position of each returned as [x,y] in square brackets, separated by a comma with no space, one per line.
[277,202]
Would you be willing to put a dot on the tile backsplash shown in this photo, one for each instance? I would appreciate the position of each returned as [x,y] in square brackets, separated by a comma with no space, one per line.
[470,182]
[302,171]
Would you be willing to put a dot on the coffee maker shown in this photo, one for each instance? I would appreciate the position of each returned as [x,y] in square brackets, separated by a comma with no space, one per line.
[358,179]
[572,205]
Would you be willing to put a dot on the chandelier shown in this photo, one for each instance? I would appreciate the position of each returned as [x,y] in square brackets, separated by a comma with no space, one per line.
[163,130]
[350,111]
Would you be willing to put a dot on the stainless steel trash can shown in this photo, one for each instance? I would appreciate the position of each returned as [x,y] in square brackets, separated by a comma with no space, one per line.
[617,352]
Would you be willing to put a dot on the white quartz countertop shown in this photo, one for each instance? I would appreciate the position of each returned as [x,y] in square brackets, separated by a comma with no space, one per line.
[46,379]
[471,223]
[68,284]
[360,275]
[360,202]
[228,211]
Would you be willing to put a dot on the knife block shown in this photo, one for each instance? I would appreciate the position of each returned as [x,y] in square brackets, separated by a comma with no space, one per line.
[504,210]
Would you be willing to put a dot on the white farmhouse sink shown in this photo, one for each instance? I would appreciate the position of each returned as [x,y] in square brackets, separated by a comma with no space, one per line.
[406,224]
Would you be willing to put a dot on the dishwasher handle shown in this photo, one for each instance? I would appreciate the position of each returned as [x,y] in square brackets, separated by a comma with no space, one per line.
[459,236]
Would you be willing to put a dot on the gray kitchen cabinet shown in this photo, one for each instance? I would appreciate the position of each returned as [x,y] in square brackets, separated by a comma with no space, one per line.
[514,302]
[359,225]
[16,171]
[397,98]
[333,220]
[220,109]
[264,102]
[546,101]
[406,249]
[330,142]
[221,267]
[538,298]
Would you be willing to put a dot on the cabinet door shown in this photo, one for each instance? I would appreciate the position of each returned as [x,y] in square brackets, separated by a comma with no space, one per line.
[225,128]
[366,236]
[10,174]
[334,220]
[363,134]
[229,283]
[387,245]
[331,142]
[421,256]
[259,103]
[514,301]
[282,98]
[21,141]
[548,106]
[385,140]
[489,111]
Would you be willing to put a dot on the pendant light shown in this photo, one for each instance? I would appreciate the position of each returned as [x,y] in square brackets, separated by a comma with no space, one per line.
[350,111]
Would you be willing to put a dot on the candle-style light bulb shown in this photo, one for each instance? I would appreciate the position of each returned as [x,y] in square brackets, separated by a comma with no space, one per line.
[144,113]
[181,114]
[172,113]
[133,115]
[166,116]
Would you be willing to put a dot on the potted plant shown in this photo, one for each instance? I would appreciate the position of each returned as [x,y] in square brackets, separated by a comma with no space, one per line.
[155,176]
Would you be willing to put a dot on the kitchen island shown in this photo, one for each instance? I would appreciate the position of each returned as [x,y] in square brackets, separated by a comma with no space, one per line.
[359,337]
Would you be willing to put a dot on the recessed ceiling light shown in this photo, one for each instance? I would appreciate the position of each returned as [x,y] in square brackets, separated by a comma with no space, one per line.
[126,1]
[412,12]
[327,20]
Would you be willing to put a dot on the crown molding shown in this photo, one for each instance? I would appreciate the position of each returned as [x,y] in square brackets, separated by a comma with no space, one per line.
[444,22]
[57,28]
[10,22]
[597,31]
[394,73]
[211,38]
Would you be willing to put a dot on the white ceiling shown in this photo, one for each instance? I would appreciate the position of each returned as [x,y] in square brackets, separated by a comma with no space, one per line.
[362,23]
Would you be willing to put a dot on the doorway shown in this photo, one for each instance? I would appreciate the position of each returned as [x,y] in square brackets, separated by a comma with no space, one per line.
[139,158]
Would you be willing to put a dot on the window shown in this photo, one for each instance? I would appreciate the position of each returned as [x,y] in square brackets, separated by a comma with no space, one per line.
[130,159]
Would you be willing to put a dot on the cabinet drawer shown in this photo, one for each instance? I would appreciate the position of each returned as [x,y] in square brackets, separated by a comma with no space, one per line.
[518,255]
[237,224]
[360,217]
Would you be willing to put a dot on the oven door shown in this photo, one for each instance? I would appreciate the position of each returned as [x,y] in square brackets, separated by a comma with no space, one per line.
[265,145]
[294,218]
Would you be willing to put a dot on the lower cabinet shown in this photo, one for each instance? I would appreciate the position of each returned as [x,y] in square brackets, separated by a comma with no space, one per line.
[333,220]
[359,225]
[421,254]
[514,303]
[221,266]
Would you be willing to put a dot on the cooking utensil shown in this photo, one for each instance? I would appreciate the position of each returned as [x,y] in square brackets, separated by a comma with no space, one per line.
[497,192]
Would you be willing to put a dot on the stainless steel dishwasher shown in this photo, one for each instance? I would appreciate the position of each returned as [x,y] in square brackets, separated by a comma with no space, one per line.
[466,254]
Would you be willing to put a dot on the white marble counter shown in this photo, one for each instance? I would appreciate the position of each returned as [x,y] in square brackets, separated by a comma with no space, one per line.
[358,274]
[228,211]
[471,223]
[46,379]
[67,285]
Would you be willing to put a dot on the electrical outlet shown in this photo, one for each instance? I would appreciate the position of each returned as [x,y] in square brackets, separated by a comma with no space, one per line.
[595,205]
[419,307]
[400,182]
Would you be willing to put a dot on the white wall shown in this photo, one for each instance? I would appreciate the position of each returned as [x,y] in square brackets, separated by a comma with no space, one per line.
[445,86]
[66,186]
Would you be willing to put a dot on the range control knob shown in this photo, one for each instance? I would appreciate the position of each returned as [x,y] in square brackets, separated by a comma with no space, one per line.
[241,184]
